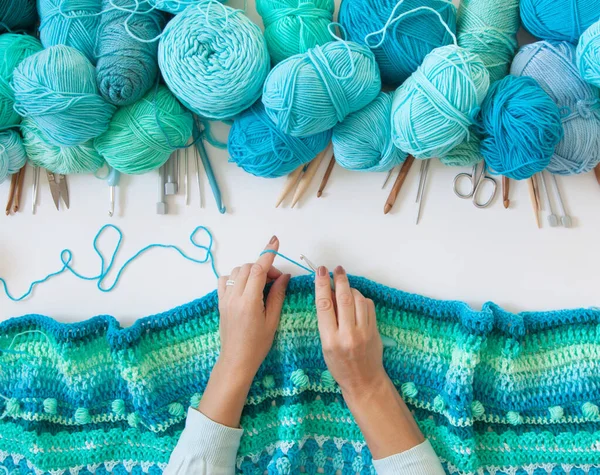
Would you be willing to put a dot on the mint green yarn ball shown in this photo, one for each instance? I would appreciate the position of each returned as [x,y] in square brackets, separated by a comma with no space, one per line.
[142,136]
[588,54]
[81,158]
[13,50]
[12,154]
[295,26]
[465,154]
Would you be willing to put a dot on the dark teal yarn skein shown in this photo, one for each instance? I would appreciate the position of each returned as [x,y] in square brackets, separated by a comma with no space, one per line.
[126,67]
[17,14]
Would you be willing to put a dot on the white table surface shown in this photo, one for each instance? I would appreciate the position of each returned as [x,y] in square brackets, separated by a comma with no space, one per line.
[456,252]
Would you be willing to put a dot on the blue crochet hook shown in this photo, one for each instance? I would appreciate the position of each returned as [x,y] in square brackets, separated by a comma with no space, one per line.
[113,180]
[208,169]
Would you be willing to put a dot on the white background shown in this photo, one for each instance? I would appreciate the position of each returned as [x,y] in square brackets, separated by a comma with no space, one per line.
[456,252]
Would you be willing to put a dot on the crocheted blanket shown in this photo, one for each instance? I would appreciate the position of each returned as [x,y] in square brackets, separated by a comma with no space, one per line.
[494,392]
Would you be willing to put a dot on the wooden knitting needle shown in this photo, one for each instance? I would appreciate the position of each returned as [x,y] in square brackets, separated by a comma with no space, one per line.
[290,184]
[505,189]
[597,173]
[398,184]
[326,176]
[534,201]
[19,191]
[11,193]
[538,199]
[308,175]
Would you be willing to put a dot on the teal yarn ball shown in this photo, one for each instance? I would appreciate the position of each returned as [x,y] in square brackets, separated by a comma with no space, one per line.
[363,140]
[295,26]
[214,59]
[126,67]
[309,93]
[56,88]
[489,29]
[142,136]
[12,154]
[257,146]
[465,154]
[559,19]
[81,158]
[407,41]
[72,23]
[13,50]
[522,126]
[588,54]
[17,14]
[553,66]
[433,110]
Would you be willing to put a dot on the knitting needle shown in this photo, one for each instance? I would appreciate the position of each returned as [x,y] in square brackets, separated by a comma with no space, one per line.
[326,176]
[308,175]
[387,178]
[505,190]
[398,184]
[538,199]
[19,190]
[170,185]
[290,184]
[186,171]
[161,205]
[11,193]
[597,173]
[421,190]
[197,157]
[533,201]
[565,219]
[212,180]
[552,218]
[34,191]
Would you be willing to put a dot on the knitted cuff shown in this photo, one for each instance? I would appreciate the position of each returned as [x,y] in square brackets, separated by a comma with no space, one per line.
[420,460]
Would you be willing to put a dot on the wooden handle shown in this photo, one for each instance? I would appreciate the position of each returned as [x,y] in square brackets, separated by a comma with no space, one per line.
[326,176]
[19,190]
[534,203]
[398,184]
[597,173]
[290,183]
[505,191]
[309,174]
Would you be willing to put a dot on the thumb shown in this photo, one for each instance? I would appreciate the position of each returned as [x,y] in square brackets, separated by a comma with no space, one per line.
[275,299]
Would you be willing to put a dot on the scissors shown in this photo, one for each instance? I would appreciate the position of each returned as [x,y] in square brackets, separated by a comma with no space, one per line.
[477,180]
[58,188]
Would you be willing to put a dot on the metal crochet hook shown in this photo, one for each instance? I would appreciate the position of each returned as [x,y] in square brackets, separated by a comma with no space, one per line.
[34,191]
[387,178]
[421,189]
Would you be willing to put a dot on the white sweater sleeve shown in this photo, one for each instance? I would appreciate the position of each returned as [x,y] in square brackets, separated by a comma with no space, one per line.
[204,448]
[420,460]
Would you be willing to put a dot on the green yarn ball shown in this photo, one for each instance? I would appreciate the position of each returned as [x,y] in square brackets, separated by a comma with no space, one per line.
[466,154]
[12,154]
[13,50]
[142,136]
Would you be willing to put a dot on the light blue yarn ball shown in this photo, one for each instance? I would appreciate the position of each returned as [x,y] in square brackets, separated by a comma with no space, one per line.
[214,59]
[407,41]
[311,92]
[434,108]
[12,154]
[256,145]
[588,54]
[56,88]
[553,66]
[127,67]
[559,19]
[72,23]
[363,140]
[176,6]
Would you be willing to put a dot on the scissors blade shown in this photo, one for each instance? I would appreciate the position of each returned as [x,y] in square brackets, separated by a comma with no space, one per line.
[64,189]
[53,188]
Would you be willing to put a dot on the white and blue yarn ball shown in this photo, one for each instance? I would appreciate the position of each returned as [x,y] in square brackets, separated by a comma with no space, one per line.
[214,60]
[12,154]
[311,92]
[588,54]
[363,140]
[433,110]
[553,66]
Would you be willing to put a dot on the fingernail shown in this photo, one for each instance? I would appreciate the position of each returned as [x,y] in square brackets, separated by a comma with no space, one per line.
[322,271]
[340,270]
[273,239]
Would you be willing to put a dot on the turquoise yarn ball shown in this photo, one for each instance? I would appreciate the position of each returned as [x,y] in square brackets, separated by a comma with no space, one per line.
[257,146]
[142,136]
[295,26]
[522,126]
[81,158]
[214,59]
[553,66]
[56,88]
[407,41]
[588,55]
[126,67]
[17,14]
[433,110]
[13,50]
[72,23]
[559,19]
[309,93]
[489,29]
[363,140]
[12,154]
[465,154]
[176,6]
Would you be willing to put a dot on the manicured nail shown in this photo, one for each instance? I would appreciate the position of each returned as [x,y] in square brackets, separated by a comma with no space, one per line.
[322,271]
[273,240]
[340,270]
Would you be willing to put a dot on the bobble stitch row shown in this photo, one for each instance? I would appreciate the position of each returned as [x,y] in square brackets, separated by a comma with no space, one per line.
[299,378]
[409,390]
[50,405]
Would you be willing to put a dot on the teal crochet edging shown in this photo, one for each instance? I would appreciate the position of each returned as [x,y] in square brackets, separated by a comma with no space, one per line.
[494,392]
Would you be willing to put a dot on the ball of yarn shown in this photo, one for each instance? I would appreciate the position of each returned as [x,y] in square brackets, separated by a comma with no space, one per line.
[127,67]
[434,108]
[522,126]
[56,88]
[17,14]
[553,66]
[12,154]
[141,137]
[408,40]
[558,19]
[256,145]
[175,6]
[295,26]
[588,54]
[72,23]
[13,50]
[214,59]
[465,154]
[363,140]
[311,92]
[81,158]
[489,29]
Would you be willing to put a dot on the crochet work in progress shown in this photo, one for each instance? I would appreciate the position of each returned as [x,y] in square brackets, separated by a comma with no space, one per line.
[494,392]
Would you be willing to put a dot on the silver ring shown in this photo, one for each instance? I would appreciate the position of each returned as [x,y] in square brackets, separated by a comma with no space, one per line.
[229,283]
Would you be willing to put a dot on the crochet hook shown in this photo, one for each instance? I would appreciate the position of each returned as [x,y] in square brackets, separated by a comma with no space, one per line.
[113,181]
[387,178]
[11,193]
[398,184]
[421,189]
[290,184]
[565,219]
[19,190]
[34,190]
[207,166]
[308,175]
[534,201]
[326,176]
[597,173]
[505,190]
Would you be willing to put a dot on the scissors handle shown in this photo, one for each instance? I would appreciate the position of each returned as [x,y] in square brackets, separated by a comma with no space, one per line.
[458,178]
[479,204]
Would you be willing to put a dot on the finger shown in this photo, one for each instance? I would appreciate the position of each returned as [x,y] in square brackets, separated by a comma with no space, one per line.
[273,273]
[259,271]
[232,277]
[371,312]
[221,287]
[344,299]
[241,279]
[324,302]
[361,309]
[275,300]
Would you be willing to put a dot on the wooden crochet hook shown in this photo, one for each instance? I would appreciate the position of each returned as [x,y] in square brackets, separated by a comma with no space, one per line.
[326,176]
[597,173]
[308,175]
[536,190]
[19,190]
[534,202]
[290,184]
[505,190]
[398,184]
[11,193]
